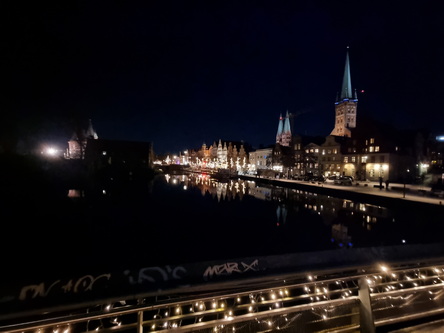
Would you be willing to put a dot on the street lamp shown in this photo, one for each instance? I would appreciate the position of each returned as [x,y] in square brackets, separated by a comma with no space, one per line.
[405,174]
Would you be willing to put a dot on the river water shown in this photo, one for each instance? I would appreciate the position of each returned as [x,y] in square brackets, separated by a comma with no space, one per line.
[177,219]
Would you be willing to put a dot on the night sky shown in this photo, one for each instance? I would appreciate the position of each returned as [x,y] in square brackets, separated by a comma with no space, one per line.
[184,73]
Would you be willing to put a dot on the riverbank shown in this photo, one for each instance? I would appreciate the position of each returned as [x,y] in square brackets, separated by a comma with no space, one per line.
[370,191]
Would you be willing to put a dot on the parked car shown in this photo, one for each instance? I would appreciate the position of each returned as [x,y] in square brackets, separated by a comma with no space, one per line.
[308,176]
[319,179]
[330,179]
[343,180]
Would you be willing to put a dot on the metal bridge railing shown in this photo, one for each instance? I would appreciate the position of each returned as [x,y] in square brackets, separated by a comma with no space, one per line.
[373,297]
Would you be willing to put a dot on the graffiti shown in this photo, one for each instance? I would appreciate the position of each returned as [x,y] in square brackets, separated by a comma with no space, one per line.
[230,268]
[36,290]
[83,284]
[156,274]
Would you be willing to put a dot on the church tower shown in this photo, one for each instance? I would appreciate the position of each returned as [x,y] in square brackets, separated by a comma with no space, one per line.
[346,105]
[77,143]
[283,135]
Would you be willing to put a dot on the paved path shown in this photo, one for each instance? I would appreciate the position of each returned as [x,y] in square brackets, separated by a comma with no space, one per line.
[417,193]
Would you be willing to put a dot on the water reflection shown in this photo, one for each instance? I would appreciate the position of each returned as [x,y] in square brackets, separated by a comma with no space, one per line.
[221,190]
[351,223]
[187,218]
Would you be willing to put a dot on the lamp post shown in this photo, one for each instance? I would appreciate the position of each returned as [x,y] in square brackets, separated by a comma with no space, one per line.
[405,176]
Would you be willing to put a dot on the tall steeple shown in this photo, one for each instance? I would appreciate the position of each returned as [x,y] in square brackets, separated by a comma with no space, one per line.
[280,129]
[286,132]
[345,106]
[90,133]
[346,91]
[287,128]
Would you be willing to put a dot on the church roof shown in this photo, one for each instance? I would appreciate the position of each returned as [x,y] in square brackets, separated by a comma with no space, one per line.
[90,132]
[346,91]
[280,126]
[287,128]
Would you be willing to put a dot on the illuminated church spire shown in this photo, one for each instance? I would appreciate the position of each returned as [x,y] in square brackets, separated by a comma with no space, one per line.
[286,132]
[287,124]
[346,91]
[283,136]
[280,128]
[90,133]
[346,106]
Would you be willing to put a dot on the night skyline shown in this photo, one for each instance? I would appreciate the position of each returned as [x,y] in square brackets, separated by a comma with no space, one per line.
[180,74]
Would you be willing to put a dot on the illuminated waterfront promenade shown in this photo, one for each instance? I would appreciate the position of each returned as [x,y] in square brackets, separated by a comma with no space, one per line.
[404,192]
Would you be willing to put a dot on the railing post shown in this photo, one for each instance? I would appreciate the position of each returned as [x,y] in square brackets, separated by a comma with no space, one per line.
[367,322]
[139,318]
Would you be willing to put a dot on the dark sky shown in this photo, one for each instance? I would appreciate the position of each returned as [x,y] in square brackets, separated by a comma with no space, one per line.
[181,73]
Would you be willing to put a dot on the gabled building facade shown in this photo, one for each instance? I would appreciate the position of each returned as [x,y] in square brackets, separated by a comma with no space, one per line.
[222,155]
[260,159]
